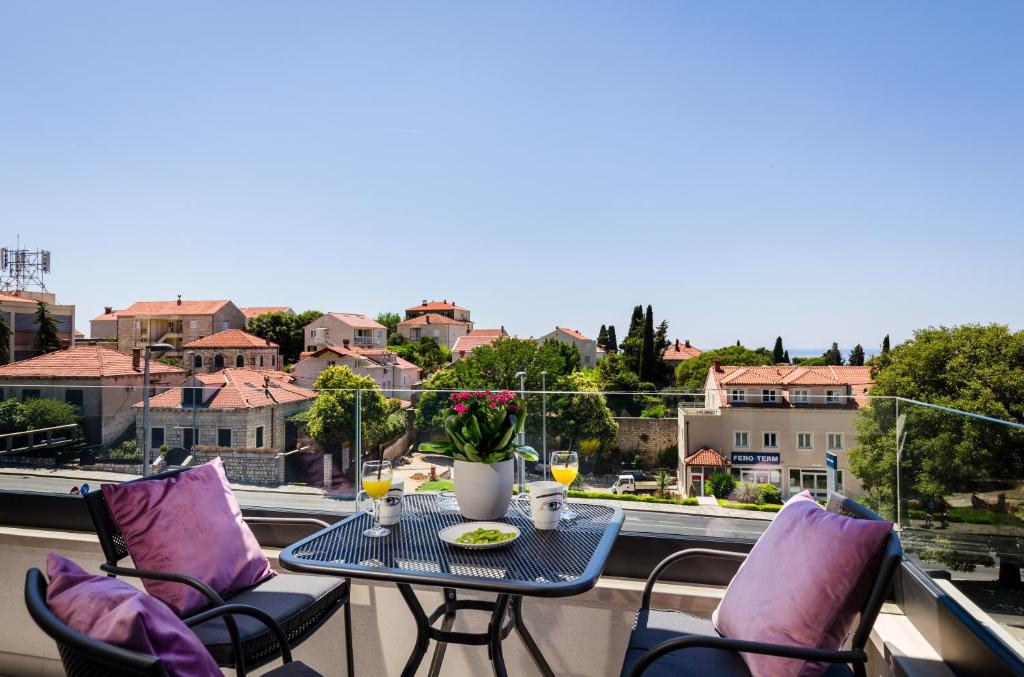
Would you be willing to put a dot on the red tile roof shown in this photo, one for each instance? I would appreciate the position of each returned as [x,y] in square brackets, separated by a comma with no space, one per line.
[240,389]
[679,351]
[146,308]
[231,338]
[106,316]
[432,306]
[372,354]
[706,456]
[470,341]
[252,311]
[11,298]
[858,379]
[489,332]
[358,321]
[430,318]
[573,333]
[84,361]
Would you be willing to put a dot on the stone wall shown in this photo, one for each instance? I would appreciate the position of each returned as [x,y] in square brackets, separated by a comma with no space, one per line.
[647,437]
[246,466]
[250,359]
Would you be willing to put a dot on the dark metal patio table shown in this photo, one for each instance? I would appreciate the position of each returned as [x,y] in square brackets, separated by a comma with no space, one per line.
[559,563]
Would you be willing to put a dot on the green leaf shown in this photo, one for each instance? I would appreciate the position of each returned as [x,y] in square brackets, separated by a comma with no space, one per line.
[528,453]
[470,451]
[436,448]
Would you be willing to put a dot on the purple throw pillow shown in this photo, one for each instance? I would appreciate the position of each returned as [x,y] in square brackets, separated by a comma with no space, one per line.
[802,584]
[190,524]
[113,611]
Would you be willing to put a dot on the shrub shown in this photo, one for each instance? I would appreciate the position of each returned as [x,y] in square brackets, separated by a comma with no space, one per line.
[749,506]
[12,417]
[769,493]
[42,412]
[720,484]
[669,457]
[655,411]
[126,450]
[746,492]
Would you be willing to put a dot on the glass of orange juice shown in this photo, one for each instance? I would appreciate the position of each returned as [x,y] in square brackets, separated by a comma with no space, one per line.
[565,465]
[376,479]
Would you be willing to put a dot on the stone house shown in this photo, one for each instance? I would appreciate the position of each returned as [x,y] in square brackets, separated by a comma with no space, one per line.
[174,322]
[443,308]
[388,370]
[441,328]
[101,383]
[231,409]
[586,346]
[18,310]
[345,330]
[230,348]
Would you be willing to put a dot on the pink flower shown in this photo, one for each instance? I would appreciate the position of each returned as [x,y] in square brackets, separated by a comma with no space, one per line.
[461,408]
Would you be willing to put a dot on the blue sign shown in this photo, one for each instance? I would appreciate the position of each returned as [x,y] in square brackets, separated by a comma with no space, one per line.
[750,458]
[831,461]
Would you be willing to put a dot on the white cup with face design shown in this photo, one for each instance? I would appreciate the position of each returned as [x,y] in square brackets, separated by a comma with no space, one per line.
[390,504]
[546,501]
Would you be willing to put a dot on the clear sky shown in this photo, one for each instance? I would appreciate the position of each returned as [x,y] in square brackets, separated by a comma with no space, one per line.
[823,171]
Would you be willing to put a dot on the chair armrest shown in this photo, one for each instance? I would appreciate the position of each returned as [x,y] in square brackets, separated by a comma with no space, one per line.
[683,554]
[740,645]
[207,591]
[286,520]
[244,610]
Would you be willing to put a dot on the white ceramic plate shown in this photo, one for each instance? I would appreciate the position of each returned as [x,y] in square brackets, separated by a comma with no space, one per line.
[451,533]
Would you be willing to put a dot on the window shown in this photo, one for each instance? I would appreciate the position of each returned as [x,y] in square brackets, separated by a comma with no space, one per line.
[30,394]
[156,438]
[831,397]
[758,476]
[224,325]
[737,395]
[191,397]
[770,440]
[273,360]
[804,441]
[259,437]
[800,396]
[769,395]
[835,441]
[138,325]
[193,324]
[218,361]
[814,481]
[437,333]
[741,439]
[240,361]
[197,362]
[223,437]
[189,437]
[75,398]
[261,360]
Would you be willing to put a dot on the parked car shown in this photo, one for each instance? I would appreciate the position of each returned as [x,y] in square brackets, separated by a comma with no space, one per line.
[628,483]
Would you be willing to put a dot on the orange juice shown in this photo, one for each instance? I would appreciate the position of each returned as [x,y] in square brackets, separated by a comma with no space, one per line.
[376,488]
[564,474]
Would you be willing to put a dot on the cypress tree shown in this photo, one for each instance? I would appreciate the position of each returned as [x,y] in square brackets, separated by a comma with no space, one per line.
[856,356]
[778,354]
[602,337]
[785,357]
[636,323]
[832,356]
[613,343]
[661,341]
[632,347]
[47,338]
[648,360]
[737,341]
[885,344]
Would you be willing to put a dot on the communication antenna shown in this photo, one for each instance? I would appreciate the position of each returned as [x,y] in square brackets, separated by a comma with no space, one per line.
[22,269]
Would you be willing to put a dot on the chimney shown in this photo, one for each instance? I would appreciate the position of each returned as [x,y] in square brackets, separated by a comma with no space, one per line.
[179,299]
[502,330]
[718,365]
[108,310]
[344,342]
[136,358]
[677,344]
[687,343]
[424,302]
[428,319]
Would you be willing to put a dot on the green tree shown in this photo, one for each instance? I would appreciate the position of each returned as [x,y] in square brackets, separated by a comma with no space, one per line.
[613,374]
[332,416]
[47,337]
[5,341]
[885,345]
[42,412]
[691,374]
[390,321]
[832,356]
[286,330]
[785,357]
[648,367]
[427,353]
[820,361]
[661,342]
[582,421]
[973,368]
[613,343]
[12,417]
[632,345]
[856,358]
[602,337]
[778,354]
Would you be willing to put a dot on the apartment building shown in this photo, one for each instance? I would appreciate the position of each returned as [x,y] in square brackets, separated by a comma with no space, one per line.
[104,326]
[18,310]
[230,348]
[388,370]
[589,353]
[774,425]
[441,328]
[464,345]
[174,322]
[345,330]
[443,308]
[101,383]
[232,408]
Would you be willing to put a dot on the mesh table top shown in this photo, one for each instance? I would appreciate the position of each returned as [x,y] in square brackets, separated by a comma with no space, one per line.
[564,561]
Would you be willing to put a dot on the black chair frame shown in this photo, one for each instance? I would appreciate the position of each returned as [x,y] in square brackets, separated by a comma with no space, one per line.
[83,656]
[115,549]
[856,656]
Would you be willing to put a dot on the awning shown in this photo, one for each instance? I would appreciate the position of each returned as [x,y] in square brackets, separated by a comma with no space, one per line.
[706,456]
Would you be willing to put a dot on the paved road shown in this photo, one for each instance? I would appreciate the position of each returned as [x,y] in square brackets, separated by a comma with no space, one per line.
[636,520]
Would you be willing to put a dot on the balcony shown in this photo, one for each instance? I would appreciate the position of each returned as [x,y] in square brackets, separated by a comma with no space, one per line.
[959,577]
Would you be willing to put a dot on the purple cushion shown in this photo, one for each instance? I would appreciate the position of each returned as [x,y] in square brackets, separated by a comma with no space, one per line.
[802,584]
[188,524]
[112,611]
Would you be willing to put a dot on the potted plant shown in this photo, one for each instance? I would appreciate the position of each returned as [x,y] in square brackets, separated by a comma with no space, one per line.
[482,431]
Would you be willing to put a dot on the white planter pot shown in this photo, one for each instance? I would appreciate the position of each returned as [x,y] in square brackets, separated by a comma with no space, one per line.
[483,490]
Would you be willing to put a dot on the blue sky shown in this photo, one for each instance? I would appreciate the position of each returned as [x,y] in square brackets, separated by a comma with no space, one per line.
[823,171]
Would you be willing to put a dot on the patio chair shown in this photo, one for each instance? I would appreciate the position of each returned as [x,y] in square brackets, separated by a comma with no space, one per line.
[673,643]
[300,604]
[83,656]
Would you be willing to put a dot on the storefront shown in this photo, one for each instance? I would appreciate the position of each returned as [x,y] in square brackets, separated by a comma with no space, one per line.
[814,480]
[698,467]
[757,467]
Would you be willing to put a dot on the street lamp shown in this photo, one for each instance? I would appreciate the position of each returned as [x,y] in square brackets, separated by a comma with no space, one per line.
[522,436]
[544,420]
[160,348]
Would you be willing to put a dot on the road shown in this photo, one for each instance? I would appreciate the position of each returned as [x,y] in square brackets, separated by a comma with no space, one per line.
[681,524]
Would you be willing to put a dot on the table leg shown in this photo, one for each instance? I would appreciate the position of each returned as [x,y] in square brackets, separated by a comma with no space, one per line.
[446,625]
[422,630]
[494,636]
[524,634]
